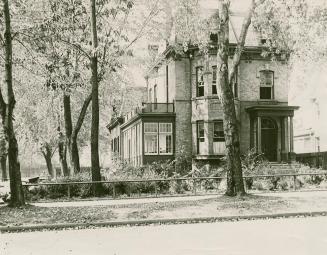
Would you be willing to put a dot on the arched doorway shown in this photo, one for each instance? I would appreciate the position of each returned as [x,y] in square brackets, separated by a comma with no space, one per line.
[269,131]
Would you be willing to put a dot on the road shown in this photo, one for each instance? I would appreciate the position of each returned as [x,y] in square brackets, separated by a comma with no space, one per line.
[269,237]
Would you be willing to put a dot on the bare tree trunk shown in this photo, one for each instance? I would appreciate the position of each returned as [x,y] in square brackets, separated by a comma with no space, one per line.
[62,150]
[3,162]
[68,131]
[72,133]
[235,184]
[47,154]
[95,164]
[16,189]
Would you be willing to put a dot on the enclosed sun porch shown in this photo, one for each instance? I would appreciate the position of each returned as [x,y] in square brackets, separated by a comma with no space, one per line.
[145,135]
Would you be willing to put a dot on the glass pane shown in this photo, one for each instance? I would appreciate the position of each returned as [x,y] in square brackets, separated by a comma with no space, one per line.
[165,127]
[266,78]
[151,143]
[200,91]
[150,127]
[218,131]
[265,93]
[199,74]
[214,89]
[200,130]
[165,144]
[214,74]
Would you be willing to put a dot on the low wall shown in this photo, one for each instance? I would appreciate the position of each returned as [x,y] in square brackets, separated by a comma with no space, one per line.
[315,159]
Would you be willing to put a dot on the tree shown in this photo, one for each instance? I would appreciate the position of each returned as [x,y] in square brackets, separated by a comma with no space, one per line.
[95,162]
[16,188]
[196,31]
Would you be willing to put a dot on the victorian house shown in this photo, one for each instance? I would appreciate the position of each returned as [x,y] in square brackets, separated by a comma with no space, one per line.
[183,113]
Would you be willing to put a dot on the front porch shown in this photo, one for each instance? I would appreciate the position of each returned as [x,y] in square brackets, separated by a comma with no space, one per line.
[271,131]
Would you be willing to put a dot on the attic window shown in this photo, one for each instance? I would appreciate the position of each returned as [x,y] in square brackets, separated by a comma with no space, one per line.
[263,41]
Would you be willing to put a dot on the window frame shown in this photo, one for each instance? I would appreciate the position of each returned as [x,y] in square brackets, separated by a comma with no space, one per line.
[214,81]
[199,139]
[151,133]
[220,138]
[263,85]
[166,133]
[158,132]
[199,83]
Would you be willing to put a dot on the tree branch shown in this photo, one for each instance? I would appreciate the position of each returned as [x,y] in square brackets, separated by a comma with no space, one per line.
[82,115]
[241,42]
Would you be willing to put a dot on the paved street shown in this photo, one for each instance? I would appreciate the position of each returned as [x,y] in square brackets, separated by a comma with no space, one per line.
[284,236]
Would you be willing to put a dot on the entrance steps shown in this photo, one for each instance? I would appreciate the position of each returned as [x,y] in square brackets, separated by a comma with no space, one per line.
[284,168]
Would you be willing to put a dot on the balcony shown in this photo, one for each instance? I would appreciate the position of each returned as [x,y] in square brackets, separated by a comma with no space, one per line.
[150,108]
[158,108]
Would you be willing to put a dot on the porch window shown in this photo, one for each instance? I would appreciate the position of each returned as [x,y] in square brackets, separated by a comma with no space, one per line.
[218,131]
[151,138]
[165,138]
[214,80]
[199,82]
[266,84]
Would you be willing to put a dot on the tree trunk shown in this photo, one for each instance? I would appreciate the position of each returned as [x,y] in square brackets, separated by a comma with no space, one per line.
[71,140]
[3,162]
[62,150]
[73,155]
[68,131]
[95,164]
[235,184]
[47,154]
[16,189]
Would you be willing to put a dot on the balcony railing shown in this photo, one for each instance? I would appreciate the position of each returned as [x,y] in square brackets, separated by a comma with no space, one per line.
[158,108]
[151,108]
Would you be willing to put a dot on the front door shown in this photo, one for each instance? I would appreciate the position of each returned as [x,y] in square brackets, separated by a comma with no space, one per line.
[269,139]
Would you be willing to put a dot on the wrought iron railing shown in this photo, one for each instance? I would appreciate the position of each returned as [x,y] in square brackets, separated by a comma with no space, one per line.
[166,187]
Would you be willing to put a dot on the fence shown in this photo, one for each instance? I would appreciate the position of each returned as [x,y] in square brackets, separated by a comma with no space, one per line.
[173,186]
[315,159]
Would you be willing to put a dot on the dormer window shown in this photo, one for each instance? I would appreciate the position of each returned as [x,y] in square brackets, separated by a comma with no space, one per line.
[199,82]
[266,84]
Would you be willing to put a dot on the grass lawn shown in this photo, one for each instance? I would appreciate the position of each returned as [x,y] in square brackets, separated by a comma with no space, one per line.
[212,207]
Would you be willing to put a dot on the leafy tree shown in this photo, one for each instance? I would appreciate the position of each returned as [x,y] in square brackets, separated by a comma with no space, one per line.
[16,188]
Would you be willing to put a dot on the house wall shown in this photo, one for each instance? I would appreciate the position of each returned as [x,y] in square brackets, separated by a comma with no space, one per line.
[115,133]
[208,107]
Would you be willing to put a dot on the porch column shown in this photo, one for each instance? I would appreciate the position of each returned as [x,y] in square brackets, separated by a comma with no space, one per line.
[259,134]
[291,135]
[286,139]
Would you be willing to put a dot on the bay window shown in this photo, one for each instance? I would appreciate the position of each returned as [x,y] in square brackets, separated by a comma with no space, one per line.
[200,136]
[219,146]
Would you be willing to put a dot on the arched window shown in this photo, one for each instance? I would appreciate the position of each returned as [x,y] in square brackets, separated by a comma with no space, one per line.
[267,123]
[266,84]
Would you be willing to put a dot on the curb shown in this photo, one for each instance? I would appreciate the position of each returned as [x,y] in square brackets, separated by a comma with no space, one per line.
[158,221]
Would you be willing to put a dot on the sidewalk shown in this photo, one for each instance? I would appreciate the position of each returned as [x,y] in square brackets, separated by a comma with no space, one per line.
[167,210]
[134,201]
[125,201]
